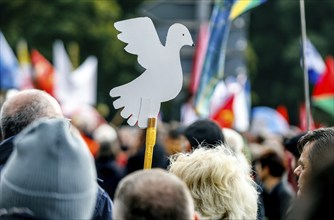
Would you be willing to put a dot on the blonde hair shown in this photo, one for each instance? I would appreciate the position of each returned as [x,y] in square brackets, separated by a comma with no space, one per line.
[220,184]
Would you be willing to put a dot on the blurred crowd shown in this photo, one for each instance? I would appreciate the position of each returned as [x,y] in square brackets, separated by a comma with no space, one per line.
[63,162]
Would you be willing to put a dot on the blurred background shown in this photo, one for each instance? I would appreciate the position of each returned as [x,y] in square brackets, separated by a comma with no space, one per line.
[263,45]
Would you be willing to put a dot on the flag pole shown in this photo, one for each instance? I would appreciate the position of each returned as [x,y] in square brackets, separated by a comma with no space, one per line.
[306,80]
[150,142]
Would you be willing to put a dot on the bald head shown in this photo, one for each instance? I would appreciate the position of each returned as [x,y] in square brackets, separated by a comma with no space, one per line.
[25,107]
[152,194]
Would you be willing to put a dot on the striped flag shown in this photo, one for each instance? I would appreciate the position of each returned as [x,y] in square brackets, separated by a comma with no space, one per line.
[224,12]
[315,65]
[323,92]
[212,69]
[242,6]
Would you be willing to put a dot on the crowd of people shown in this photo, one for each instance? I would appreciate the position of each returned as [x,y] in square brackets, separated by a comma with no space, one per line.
[54,166]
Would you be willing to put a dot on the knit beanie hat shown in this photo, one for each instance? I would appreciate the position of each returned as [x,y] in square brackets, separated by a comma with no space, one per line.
[50,172]
[204,132]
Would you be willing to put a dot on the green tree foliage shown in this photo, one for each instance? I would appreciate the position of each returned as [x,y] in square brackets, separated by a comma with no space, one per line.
[275,72]
[275,34]
[88,24]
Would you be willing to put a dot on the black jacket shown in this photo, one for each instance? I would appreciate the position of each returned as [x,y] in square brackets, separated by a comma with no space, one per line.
[6,148]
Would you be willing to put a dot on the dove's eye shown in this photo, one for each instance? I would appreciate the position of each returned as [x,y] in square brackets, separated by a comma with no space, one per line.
[182,34]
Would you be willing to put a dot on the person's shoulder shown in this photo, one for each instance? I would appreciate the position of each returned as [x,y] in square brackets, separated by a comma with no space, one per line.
[159,149]
[103,196]
[7,142]
[103,207]
[6,148]
[284,189]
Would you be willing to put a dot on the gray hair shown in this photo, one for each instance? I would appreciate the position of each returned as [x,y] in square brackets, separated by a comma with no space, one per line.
[152,194]
[322,150]
[25,107]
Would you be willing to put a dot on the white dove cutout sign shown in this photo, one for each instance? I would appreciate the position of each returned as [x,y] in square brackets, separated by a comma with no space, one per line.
[162,78]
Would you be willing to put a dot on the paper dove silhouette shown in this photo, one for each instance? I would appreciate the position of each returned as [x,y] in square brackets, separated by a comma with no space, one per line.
[162,79]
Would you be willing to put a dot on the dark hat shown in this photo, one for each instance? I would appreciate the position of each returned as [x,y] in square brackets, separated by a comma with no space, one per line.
[291,144]
[204,132]
[177,132]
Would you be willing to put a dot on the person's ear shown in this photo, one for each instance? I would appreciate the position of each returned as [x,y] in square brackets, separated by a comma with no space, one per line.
[266,170]
[188,147]
[185,144]
[196,216]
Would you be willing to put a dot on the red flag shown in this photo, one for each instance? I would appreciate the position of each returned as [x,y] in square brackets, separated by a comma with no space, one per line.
[44,72]
[325,86]
[201,46]
[93,146]
[303,117]
[323,92]
[282,109]
[225,116]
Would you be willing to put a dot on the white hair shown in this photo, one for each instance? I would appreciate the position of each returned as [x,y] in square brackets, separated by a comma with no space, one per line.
[220,184]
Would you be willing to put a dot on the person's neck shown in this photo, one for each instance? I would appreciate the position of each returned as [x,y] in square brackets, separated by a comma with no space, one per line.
[270,182]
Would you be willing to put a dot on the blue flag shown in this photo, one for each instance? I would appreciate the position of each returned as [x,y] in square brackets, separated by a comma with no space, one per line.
[315,65]
[9,66]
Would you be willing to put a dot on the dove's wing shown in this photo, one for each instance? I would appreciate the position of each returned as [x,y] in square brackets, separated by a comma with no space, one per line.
[142,39]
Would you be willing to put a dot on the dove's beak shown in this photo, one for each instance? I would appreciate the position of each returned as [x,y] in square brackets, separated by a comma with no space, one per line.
[193,45]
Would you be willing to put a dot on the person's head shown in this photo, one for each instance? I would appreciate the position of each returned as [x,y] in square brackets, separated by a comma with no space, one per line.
[270,164]
[204,133]
[317,150]
[314,204]
[106,136]
[291,144]
[152,194]
[220,184]
[175,142]
[25,107]
[321,191]
[50,172]
[233,139]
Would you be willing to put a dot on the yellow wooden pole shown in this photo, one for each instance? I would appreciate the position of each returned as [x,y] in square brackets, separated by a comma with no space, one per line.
[151,132]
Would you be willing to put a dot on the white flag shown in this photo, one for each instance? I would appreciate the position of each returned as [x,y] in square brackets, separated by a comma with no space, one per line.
[78,86]
[63,68]
[83,82]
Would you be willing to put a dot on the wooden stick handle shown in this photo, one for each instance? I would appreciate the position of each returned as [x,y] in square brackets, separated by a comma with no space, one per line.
[151,132]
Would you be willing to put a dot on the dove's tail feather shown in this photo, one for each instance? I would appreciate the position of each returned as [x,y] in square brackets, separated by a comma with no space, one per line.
[129,102]
[127,112]
[115,92]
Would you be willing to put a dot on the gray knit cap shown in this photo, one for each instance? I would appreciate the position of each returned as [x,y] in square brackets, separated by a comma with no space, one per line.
[51,172]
